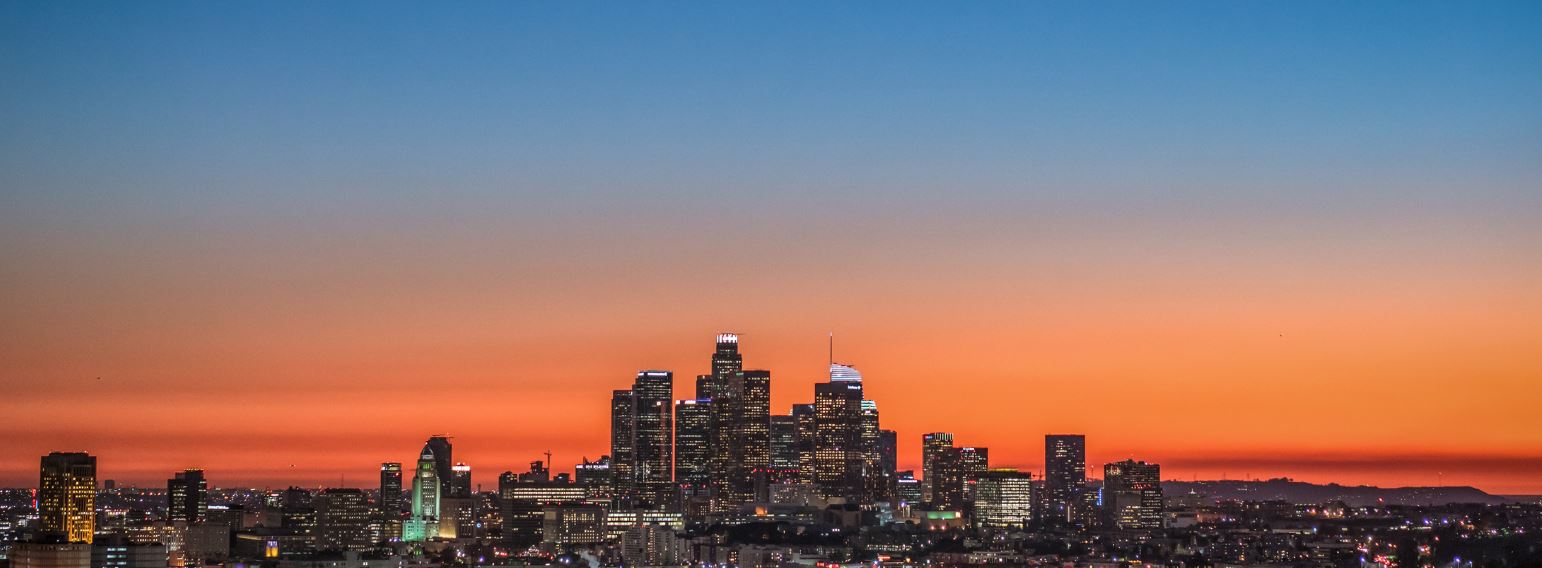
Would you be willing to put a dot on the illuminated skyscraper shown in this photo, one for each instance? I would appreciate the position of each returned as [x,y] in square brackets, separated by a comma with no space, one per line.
[297,514]
[642,440]
[187,497]
[888,460]
[752,440]
[460,481]
[623,448]
[594,477]
[1132,494]
[390,489]
[342,517]
[443,464]
[725,388]
[1065,474]
[875,480]
[66,496]
[932,445]
[974,461]
[1003,499]
[805,417]
[838,451]
[947,479]
[693,432]
[426,487]
[784,442]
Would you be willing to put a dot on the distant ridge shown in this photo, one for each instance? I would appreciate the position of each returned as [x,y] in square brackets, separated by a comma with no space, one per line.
[1304,493]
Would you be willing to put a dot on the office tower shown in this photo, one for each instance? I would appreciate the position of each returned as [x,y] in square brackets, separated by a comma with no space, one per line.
[390,489]
[753,439]
[838,451]
[457,517]
[784,442]
[888,459]
[572,525]
[342,519]
[187,497]
[66,496]
[424,522]
[642,440]
[297,515]
[947,479]
[623,451]
[523,498]
[807,422]
[460,481]
[975,461]
[1003,499]
[932,445]
[594,477]
[907,489]
[443,465]
[740,444]
[875,482]
[1132,494]
[651,545]
[693,437]
[1065,474]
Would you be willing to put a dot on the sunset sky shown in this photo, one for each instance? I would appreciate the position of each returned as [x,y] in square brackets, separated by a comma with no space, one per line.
[287,241]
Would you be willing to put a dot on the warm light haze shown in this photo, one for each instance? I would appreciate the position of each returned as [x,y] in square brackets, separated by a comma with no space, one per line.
[284,242]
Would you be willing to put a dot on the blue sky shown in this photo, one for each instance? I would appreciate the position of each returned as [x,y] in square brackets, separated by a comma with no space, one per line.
[149,107]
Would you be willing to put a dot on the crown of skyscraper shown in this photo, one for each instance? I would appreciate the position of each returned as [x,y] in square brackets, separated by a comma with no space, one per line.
[844,374]
[727,338]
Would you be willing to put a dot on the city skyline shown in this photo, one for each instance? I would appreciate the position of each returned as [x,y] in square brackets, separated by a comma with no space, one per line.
[285,244]
[911,457]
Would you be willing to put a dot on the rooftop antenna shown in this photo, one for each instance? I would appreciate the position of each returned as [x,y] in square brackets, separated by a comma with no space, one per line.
[548,459]
[832,348]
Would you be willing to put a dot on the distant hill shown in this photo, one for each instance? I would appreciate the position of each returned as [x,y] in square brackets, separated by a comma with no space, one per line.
[1301,492]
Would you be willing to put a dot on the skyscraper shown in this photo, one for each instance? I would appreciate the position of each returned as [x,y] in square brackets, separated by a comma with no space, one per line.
[460,481]
[1003,499]
[693,433]
[805,417]
[390,489]
[642,440]
[838,451]
[443,464]
[66,496]
[725,387]
[426,487]
[932,445]
[623,448]
[784,442]
[974,462]
[1065,474]
[342,517]
[1132,494]
[947,479]
[875,482]
[187,497]
[888,460]
[753,432]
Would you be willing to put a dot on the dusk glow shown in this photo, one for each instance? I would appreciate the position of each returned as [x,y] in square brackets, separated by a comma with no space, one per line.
[286,242]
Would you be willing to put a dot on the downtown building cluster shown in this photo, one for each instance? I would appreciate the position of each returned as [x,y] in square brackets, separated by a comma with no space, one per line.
[682,482]
[723,456]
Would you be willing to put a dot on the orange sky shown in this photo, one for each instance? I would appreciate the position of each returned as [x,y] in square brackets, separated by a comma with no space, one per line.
[1404,360]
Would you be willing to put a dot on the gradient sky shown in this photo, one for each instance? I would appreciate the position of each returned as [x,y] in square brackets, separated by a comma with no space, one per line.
[286,241]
